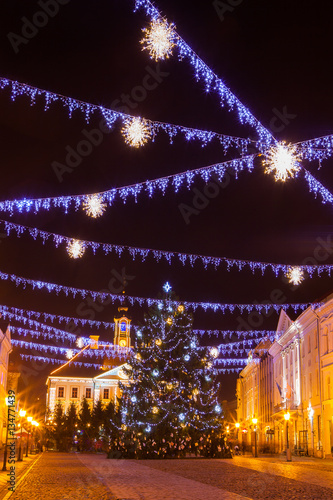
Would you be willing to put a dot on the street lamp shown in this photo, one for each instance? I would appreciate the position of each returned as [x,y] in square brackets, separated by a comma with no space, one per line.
[237,425]
[29,419]
[35,424]
[288,453]
[255,421]
[22,415]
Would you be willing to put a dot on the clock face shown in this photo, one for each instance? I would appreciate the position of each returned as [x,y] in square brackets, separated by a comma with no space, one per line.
[123,326]
[122,343]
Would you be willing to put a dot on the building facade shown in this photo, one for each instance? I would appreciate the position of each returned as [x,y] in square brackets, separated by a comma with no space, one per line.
[292,375]
[5,348]
[73,381]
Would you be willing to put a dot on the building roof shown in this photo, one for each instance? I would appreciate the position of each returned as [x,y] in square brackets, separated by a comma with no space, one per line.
[75,366]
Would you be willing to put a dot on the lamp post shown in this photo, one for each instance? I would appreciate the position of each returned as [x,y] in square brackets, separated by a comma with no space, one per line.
[237,425]
[311,413]
[288,453]
[4,467]
[29,419]
[35,424]
[255,421]
[20,453]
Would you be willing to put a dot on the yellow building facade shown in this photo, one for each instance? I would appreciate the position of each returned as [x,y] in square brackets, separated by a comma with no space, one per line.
[292,375]
[73,381]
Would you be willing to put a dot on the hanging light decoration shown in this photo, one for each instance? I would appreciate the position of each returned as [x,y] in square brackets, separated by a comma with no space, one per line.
[159,39]
[75,249]
[283,160]
[169,321]
[94,206]
[80,342]
[181,308]
[69,354]
[158,342]
[136,132]
[295,275]
[167,287]
[155,410]
[214,352]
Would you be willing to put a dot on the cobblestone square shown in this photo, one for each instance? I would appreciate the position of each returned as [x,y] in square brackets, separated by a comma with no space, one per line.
[56,476]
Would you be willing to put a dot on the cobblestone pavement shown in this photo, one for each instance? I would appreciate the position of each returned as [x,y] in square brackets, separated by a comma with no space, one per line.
[133,480]
[61,476]
[20,468]
[256,478]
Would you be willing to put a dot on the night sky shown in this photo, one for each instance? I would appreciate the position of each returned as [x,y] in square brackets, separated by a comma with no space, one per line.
[275,56]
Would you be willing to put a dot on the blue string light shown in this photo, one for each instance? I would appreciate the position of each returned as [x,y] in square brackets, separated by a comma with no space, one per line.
[184,258]
[111,116]
[141,301]
[211,80]
[184,179]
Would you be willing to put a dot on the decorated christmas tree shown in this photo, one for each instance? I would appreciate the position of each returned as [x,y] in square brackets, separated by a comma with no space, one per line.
[169,407]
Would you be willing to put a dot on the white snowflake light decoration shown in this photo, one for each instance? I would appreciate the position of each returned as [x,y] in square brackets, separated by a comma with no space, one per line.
[136,132]
[80,343]
[295,275]
[69,354]
[214,352]
[167,287]
[75,249]
[159,39]
[94,206]
[283,160]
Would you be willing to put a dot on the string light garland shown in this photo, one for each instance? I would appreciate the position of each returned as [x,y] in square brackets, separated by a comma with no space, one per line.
[160,184]
[206,306]
[169,256]
[76,249]
[10,312]
[94,206]
[111,116]
[159,39]
[136,132]
[79,364]
[283,160]
[295,275]
[211,80]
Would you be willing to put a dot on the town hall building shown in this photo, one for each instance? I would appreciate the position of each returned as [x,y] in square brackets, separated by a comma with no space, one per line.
[74,380]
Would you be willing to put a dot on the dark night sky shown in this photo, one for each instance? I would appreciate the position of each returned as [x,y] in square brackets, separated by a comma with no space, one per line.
[274,55]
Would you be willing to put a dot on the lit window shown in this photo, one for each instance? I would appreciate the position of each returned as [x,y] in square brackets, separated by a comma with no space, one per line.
[106,394]
[74,392]
[88,392]
[123,326]
[61,392]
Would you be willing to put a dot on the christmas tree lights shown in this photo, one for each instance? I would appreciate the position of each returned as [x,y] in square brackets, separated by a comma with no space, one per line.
[158,399]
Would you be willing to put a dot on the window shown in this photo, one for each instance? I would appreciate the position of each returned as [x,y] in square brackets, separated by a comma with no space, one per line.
[317,383]
[88,392]
[74,392]
[123,327]
[61,392]
[310,385]
[328,387]
[106,394]
[309,344]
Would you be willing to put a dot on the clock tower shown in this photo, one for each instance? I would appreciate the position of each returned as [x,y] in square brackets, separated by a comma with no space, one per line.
[122,327]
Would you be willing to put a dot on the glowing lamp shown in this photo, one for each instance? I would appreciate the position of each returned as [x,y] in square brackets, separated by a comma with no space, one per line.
[22,413]
[29,419]
[287,416]
[254,421]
